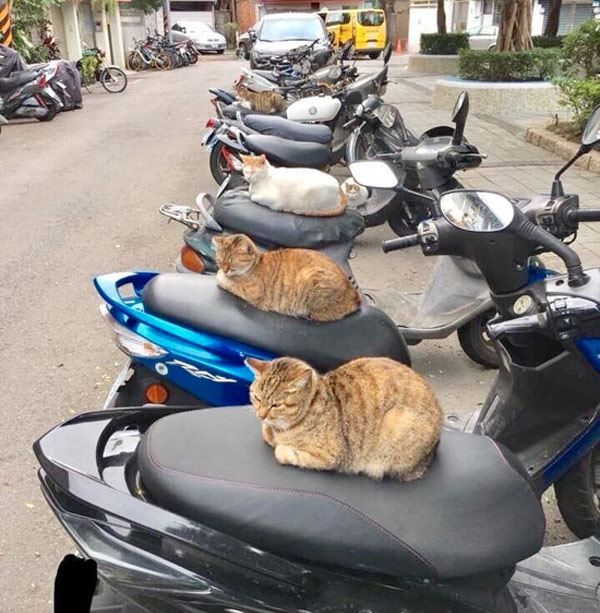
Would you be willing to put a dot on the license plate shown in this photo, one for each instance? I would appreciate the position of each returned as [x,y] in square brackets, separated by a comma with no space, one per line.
[372,43]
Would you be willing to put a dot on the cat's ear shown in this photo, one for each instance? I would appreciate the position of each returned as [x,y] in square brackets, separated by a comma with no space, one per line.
[303,382]
[256,366]
[216,241]
[245,158]
[262,159]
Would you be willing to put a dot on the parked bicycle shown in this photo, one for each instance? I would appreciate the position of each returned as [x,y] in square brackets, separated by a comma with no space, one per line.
[91,68]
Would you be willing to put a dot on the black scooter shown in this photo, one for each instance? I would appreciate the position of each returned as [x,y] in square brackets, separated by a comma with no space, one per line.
[189,511]
[28,94]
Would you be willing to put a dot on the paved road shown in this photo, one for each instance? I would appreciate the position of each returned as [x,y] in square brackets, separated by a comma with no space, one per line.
[79,197]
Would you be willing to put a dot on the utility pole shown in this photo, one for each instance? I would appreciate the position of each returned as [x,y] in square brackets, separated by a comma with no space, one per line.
[167,19]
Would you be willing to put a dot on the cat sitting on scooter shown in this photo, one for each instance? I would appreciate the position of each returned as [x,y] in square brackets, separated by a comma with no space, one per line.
[303,191]
[296,282]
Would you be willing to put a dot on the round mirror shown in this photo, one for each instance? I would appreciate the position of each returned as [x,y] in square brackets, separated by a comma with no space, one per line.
[591,134]
[460,103]
[477,211]
[374,174]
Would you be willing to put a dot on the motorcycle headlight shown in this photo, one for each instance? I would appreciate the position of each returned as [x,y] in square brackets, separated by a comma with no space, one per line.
[386,115]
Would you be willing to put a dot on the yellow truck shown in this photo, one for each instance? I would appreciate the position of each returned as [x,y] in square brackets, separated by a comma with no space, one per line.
[365,27]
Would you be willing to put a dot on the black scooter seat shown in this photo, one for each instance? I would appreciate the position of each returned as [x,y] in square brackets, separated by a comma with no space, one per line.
[283,152]
[8,84]
[235,211]
[196,301]
[474,511]
[285,128]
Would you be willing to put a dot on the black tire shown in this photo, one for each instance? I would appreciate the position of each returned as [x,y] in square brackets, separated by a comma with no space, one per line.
[252,63]
[218,165]
[193,57]
[134,62]
[113,79]
[577,494]
[474,343]
[398,223]
[220,51]
[375,55]
[243,51]
[52,107]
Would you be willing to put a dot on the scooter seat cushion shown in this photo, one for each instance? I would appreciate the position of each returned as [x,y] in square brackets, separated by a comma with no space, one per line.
[196,301]
[231,111]
[235,211]
[284,128]
[474,510]
[7,84]
[290,153]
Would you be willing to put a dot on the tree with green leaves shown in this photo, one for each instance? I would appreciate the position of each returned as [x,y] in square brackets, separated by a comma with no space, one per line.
[27,16]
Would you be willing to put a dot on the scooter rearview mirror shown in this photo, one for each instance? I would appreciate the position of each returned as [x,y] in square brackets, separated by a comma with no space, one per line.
[374,174]
[591,133]
[477,211]
[459,117]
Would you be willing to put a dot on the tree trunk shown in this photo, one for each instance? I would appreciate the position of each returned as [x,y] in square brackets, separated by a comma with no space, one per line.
[515,26]
[553,18]
[390,20]
[441,17]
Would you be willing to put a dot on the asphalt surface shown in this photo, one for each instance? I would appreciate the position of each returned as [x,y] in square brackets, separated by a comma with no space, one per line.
[78,198]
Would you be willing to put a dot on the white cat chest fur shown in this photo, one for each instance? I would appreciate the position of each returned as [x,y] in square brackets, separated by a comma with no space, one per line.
[314,108]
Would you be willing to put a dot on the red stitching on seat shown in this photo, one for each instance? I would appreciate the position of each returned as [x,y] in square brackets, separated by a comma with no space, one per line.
[255,486]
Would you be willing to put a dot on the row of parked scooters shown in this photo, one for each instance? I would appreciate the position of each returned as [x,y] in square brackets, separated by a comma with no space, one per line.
[170,489]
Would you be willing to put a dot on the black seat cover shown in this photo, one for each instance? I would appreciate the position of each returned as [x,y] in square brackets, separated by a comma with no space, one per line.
[235,211]
[231,111]
[197,301]
[284,128]
[474,510]
[283,152]
[7,84]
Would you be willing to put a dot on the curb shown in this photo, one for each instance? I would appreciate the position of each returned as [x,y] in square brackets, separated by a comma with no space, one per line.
[541,137]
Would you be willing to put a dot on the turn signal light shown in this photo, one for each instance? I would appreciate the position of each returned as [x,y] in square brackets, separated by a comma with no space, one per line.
[191,260]
[156,393]
[212,123]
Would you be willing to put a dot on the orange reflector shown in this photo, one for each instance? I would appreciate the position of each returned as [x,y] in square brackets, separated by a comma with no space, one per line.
[191,260]
[157,393]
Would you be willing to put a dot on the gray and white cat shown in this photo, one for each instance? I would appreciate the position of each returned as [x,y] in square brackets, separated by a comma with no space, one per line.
[304,191]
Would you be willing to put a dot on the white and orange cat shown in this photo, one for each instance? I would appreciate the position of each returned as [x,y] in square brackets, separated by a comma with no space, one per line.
[296,282]
[372,416]
[356,194]
[303,191]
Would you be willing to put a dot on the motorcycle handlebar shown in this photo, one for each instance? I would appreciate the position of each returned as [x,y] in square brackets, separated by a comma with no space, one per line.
[400,243]
[527,323]
[575,215]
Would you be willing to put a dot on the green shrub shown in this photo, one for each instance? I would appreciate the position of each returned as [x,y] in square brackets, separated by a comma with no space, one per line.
[581,50]
[444,44]
[533,65]
[581,96]
[547,42]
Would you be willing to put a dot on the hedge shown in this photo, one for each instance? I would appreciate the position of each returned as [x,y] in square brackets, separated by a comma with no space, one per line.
[444,44]
[547,42]
[533,65]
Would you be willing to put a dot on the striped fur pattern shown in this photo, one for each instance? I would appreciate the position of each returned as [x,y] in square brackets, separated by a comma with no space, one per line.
[296,282]
[263,102]
[372,416]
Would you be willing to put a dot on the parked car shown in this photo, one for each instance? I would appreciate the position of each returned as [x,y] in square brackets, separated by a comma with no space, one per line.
[246,41]
[282,32]
[205,39]
[365,27]
[483,37]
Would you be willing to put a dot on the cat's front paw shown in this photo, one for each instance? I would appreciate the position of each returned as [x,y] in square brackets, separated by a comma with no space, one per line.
[285,454]
[268,435]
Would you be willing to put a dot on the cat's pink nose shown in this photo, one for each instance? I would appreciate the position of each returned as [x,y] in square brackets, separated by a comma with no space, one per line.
[262,413]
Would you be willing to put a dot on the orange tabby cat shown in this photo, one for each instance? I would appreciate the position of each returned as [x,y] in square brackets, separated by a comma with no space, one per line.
[263,102]
[372,416]
[297,282]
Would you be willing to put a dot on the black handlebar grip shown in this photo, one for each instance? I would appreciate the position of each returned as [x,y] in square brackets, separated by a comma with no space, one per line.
[400,243]
[583,215]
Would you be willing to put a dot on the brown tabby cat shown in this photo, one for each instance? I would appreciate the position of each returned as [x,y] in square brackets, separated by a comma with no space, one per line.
[373,416]
[263,102]
[297,282]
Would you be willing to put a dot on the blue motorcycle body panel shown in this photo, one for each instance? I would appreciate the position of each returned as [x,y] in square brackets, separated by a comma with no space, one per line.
[206,365]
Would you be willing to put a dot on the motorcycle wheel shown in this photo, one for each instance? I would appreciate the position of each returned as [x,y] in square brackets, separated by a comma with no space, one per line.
[162,61]
[113,79]
[474,342]
[578,495]
[218,163]
[134,61]
[398,222]
[193,57]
